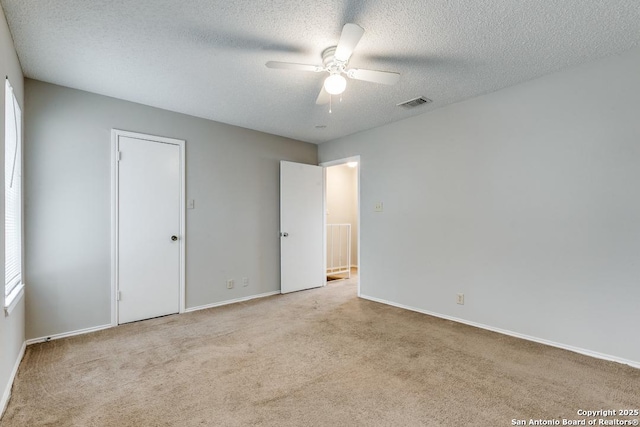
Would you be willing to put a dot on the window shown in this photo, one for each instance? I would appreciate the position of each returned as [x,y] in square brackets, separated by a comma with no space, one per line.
[12,197]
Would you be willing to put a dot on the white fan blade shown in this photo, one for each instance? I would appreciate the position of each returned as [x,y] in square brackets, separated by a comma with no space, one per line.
[292,66]
[383,77]
[351,35]
[323,97]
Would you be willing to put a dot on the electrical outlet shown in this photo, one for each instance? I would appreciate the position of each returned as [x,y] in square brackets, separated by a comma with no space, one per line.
[378,207]
[460,299]
[245,281]
[230,284]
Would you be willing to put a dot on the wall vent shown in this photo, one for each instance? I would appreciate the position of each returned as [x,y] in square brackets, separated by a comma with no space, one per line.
[415,102]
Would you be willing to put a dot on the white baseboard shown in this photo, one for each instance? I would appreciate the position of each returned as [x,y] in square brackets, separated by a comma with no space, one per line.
[231,301]
[68,334]
[597,355]
[99,328]
[7,391]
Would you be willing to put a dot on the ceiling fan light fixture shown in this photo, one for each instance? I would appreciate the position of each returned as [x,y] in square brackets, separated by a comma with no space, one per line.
[335,84]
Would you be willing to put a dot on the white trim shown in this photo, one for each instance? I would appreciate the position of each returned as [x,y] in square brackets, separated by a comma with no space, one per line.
[7,391]
[107,326]
[183,227]
[324,226]
[231,301]
[357,159]
[342,161]
[114,226]
[595,354]
[68,334]
[115,135]
[12,300]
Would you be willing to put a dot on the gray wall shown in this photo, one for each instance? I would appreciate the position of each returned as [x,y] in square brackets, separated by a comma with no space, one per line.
[12,326]
[526,200]
[232,173]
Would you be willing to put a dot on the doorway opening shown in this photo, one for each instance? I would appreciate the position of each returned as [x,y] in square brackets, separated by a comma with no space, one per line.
[342,220]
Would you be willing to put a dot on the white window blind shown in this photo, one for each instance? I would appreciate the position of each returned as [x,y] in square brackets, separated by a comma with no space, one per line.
[12,191]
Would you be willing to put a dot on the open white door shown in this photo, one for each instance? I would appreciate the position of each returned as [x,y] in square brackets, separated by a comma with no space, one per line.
[301,226]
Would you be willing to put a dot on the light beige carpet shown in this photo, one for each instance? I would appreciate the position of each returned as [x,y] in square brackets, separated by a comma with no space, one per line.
[314,358]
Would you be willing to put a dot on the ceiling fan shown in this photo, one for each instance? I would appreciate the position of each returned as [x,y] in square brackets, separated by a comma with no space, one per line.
[335,60]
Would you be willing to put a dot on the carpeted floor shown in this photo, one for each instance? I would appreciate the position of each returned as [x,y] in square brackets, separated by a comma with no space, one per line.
[315,358]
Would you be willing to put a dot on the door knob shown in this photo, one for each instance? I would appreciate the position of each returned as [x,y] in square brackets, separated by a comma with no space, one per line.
[174,238]
[285,234]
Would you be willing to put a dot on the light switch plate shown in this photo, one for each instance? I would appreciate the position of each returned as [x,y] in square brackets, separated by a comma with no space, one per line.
[191,204]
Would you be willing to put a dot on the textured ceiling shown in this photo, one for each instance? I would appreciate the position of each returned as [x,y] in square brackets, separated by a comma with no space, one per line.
[206,57]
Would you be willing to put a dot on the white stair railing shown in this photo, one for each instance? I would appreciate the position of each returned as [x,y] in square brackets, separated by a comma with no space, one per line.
[339,249]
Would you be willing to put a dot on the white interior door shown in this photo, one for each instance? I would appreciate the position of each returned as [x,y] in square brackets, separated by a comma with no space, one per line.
[148,228]
[301,226]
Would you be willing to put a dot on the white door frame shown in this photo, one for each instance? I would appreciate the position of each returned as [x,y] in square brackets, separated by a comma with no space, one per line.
[115,135]
[325,165]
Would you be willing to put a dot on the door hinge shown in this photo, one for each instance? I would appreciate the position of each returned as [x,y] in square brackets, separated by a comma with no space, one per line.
[119,155]
[118,295]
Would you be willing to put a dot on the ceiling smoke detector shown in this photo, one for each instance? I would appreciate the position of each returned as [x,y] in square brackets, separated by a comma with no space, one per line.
[412,103]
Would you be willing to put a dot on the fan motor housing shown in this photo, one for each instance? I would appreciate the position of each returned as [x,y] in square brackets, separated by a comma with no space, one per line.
[329,60]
